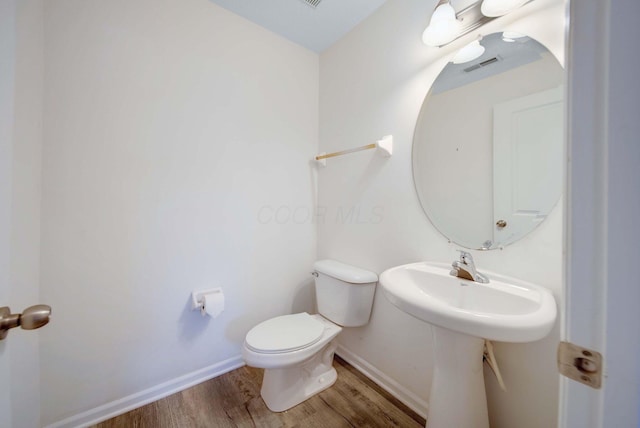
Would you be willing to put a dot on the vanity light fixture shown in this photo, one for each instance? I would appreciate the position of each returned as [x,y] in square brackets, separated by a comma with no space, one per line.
[468,53]
[447,25]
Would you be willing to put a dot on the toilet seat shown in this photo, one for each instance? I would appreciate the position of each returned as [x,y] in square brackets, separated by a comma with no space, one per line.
[286,333]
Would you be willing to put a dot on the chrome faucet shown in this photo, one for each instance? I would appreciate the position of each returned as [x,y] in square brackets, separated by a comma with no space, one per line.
[465,268]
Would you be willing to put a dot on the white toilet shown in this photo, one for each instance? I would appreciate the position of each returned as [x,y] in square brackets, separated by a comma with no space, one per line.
[297,350]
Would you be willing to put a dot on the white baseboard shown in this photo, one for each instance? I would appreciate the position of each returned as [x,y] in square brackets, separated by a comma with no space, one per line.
[410,399]
[123,405]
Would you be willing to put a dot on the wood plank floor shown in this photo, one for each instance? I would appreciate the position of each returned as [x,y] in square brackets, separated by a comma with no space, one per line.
[233,400]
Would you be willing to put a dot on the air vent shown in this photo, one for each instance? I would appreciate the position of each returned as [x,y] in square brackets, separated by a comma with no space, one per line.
[481,64]
[312,3]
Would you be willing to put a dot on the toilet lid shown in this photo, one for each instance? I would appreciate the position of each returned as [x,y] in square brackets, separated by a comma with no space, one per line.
[284,334]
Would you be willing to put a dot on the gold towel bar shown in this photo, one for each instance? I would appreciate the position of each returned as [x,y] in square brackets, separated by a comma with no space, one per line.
[345,152]
[384,146]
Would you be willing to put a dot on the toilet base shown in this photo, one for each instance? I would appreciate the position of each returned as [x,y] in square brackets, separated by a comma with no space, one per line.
[287,387]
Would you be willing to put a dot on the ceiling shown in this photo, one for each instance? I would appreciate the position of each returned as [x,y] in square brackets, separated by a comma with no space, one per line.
[314,28]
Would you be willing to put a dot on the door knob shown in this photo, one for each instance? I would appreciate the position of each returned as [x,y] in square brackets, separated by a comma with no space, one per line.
[33,317]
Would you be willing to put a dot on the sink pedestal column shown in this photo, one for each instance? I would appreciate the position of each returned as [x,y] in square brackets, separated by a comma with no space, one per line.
[458,398]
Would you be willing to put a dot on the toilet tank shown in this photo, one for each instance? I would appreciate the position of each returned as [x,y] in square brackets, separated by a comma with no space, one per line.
[344,293]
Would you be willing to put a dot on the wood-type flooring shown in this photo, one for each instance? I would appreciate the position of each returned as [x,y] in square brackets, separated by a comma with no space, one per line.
[233,400]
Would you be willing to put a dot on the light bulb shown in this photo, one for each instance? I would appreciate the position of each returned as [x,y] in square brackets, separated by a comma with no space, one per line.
[443,26]
[511,36]
[492,8]
[468,53]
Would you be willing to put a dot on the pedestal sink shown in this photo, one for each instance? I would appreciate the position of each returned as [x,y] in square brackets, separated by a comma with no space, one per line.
[463,314]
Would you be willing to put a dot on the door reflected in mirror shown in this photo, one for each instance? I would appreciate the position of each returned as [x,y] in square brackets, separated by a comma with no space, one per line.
[489,143]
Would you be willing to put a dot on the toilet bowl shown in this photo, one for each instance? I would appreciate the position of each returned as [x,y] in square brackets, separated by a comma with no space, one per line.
[297,350]
[300,369]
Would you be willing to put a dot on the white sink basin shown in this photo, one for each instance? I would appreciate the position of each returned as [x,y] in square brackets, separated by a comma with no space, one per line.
[463,314]
[505,309]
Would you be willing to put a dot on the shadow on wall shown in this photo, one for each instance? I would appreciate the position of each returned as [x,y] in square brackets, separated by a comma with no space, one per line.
[304,298]
[192,324]
[373,168]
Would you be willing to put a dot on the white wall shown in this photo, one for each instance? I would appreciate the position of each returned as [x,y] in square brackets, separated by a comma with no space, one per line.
[173,130]
[373,83]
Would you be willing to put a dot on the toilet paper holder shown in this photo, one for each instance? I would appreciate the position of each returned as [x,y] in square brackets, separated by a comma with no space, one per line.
[197,297]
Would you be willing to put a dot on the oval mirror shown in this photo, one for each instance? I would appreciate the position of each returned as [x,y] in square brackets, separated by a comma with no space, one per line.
[488,145]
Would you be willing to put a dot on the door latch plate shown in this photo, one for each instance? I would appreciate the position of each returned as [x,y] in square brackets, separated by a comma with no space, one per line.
[580,364]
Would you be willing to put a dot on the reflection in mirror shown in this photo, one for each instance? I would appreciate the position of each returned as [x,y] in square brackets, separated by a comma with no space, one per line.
[488,146]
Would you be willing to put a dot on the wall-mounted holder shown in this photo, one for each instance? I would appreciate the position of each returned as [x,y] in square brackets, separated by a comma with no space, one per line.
[209,302]
[384,146]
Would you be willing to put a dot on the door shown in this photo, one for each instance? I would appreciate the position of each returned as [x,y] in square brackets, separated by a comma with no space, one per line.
[603,240]
[6,143]
[527,132]
[20,141]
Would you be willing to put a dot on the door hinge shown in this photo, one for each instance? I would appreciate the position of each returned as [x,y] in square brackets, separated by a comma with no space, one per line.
[580,364]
